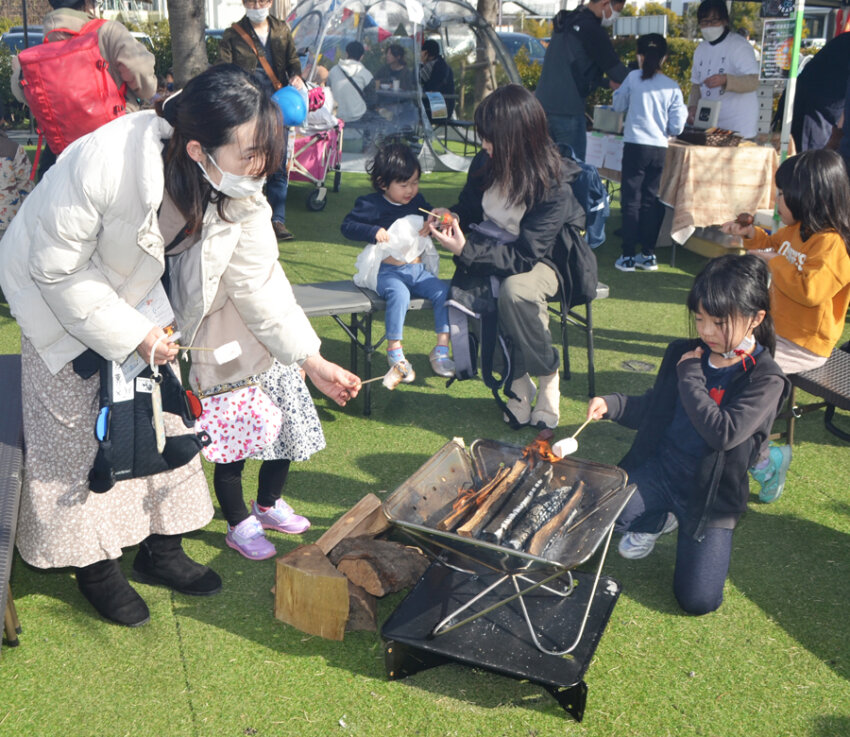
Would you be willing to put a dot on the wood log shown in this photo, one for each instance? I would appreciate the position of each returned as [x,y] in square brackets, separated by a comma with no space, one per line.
[362,610]
[364,518]
[468,501]
[490,505]
[379,566]
[310,593]
[553,526]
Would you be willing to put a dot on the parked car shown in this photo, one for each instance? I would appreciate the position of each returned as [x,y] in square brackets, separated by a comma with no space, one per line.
[516,42]
[14,38]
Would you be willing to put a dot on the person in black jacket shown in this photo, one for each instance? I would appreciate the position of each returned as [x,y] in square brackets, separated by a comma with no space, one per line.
[435,75]
[700,427]
[520,183]
[579,58]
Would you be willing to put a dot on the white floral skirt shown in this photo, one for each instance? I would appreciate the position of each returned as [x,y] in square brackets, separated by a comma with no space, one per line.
[61,522]
[301,432]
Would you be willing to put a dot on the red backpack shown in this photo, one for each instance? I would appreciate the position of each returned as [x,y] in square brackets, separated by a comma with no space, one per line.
[68,87]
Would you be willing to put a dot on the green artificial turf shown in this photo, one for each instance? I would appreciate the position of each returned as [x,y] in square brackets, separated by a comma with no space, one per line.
[774,660]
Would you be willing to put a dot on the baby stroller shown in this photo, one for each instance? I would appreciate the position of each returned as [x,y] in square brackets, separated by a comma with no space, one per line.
[315,152]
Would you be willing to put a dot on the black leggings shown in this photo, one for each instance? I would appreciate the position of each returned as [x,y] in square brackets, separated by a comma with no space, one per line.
[227,482]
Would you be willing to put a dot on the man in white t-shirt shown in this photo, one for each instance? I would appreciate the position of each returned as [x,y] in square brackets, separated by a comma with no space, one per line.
[725,68]
[352,84]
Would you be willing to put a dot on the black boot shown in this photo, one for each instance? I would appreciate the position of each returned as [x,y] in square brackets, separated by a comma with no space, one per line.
[107,589]
[162,562]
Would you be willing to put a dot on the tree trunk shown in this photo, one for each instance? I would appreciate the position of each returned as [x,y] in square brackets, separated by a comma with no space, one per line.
[484,54]
[188,47]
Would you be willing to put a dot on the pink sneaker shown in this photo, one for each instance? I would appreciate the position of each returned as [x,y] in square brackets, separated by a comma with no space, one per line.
[248,539]
[280,517]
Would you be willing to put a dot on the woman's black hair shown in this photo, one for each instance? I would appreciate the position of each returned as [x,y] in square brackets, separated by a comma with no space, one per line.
[713,7]
[734,286]
[393,162]
[653,48]
[208,110]
[816,190]
[525,162]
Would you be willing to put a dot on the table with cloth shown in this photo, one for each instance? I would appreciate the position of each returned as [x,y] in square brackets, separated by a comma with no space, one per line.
[708,185]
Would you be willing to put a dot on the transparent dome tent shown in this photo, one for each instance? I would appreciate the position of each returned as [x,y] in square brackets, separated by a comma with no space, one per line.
[323,28]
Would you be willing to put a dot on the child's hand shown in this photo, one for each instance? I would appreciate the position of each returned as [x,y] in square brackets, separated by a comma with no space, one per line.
[597,408]
[382,236]
[451,238]
[695,353]
[734,227]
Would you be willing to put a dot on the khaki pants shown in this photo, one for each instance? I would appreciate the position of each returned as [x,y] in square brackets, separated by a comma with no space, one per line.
[524,318]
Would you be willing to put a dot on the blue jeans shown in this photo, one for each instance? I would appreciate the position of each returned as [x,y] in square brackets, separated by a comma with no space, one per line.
[396,284]
[277,186]
[569,129]
[701,567]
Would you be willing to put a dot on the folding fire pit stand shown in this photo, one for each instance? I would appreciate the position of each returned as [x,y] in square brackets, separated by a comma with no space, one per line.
[497,608]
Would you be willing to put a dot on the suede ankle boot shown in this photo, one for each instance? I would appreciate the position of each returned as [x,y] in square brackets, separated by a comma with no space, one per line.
[109,592]
[547,412]
[520,407]
[162,562]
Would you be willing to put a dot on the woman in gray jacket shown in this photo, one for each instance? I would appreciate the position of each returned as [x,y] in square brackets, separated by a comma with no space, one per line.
[83,253]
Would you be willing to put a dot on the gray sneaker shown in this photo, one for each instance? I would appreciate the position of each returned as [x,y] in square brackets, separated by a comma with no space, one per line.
[625,263]
[441,364]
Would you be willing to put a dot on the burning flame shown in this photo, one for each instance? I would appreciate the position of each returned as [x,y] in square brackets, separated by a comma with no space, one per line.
[539,449]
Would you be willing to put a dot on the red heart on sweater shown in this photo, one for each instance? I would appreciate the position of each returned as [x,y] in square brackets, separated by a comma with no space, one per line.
[716,394]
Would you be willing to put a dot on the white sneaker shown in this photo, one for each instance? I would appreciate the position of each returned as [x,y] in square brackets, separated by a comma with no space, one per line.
[636,545]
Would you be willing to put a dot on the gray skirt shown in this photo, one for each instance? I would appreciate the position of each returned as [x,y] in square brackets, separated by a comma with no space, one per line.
[61,522]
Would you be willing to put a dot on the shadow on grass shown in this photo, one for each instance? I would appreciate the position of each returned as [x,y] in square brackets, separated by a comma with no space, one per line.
[794,569]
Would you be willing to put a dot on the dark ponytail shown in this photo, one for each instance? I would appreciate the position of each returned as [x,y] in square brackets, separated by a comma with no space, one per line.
[653,48]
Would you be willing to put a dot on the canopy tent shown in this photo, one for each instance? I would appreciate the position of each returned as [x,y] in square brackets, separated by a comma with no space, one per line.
[323,28]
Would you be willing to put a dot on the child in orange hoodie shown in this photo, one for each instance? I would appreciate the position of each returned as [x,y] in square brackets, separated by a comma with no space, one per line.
[809,263]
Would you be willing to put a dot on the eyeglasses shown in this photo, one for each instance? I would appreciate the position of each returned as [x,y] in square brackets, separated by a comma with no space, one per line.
[256,3]
[705,22]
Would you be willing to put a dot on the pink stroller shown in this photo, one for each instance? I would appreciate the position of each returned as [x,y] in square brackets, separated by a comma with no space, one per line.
[314,153]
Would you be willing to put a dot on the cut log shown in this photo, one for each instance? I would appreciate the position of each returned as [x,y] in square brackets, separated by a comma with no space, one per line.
[555,525]
[379,566]
[362,610]
[490,506]
[364,518]
[310,593]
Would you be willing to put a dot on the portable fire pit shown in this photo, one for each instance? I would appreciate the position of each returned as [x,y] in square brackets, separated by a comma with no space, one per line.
[500,593]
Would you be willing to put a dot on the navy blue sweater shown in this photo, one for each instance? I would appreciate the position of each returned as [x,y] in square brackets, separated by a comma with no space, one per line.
[372,212]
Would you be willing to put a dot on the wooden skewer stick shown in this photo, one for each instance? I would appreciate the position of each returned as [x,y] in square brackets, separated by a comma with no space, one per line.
[428,212]
[583,425]
[369,381]
[194,348]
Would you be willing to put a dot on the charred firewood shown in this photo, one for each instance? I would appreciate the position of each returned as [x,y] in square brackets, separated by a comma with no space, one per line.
[550,530]
[544,508]
[536,481]
[493,503]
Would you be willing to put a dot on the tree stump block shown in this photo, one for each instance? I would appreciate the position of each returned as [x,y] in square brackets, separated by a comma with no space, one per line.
[362,610]
[310,593]
[379,566]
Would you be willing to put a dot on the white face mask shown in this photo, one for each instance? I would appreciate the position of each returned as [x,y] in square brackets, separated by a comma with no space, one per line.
[746,345]
[609,21]
[233,185]
[257,15]
[712,33]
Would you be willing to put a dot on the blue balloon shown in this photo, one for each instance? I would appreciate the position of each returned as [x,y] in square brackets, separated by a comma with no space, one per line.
[291,104]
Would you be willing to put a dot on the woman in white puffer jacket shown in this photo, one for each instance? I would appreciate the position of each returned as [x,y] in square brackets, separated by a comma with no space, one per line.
[87,246]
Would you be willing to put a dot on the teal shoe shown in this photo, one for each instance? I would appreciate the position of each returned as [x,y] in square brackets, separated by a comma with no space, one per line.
[771,478]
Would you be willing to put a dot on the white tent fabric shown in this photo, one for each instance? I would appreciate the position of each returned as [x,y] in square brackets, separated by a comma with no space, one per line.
[323,28]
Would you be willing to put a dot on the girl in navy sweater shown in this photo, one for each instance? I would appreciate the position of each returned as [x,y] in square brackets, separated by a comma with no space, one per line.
[700,428]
